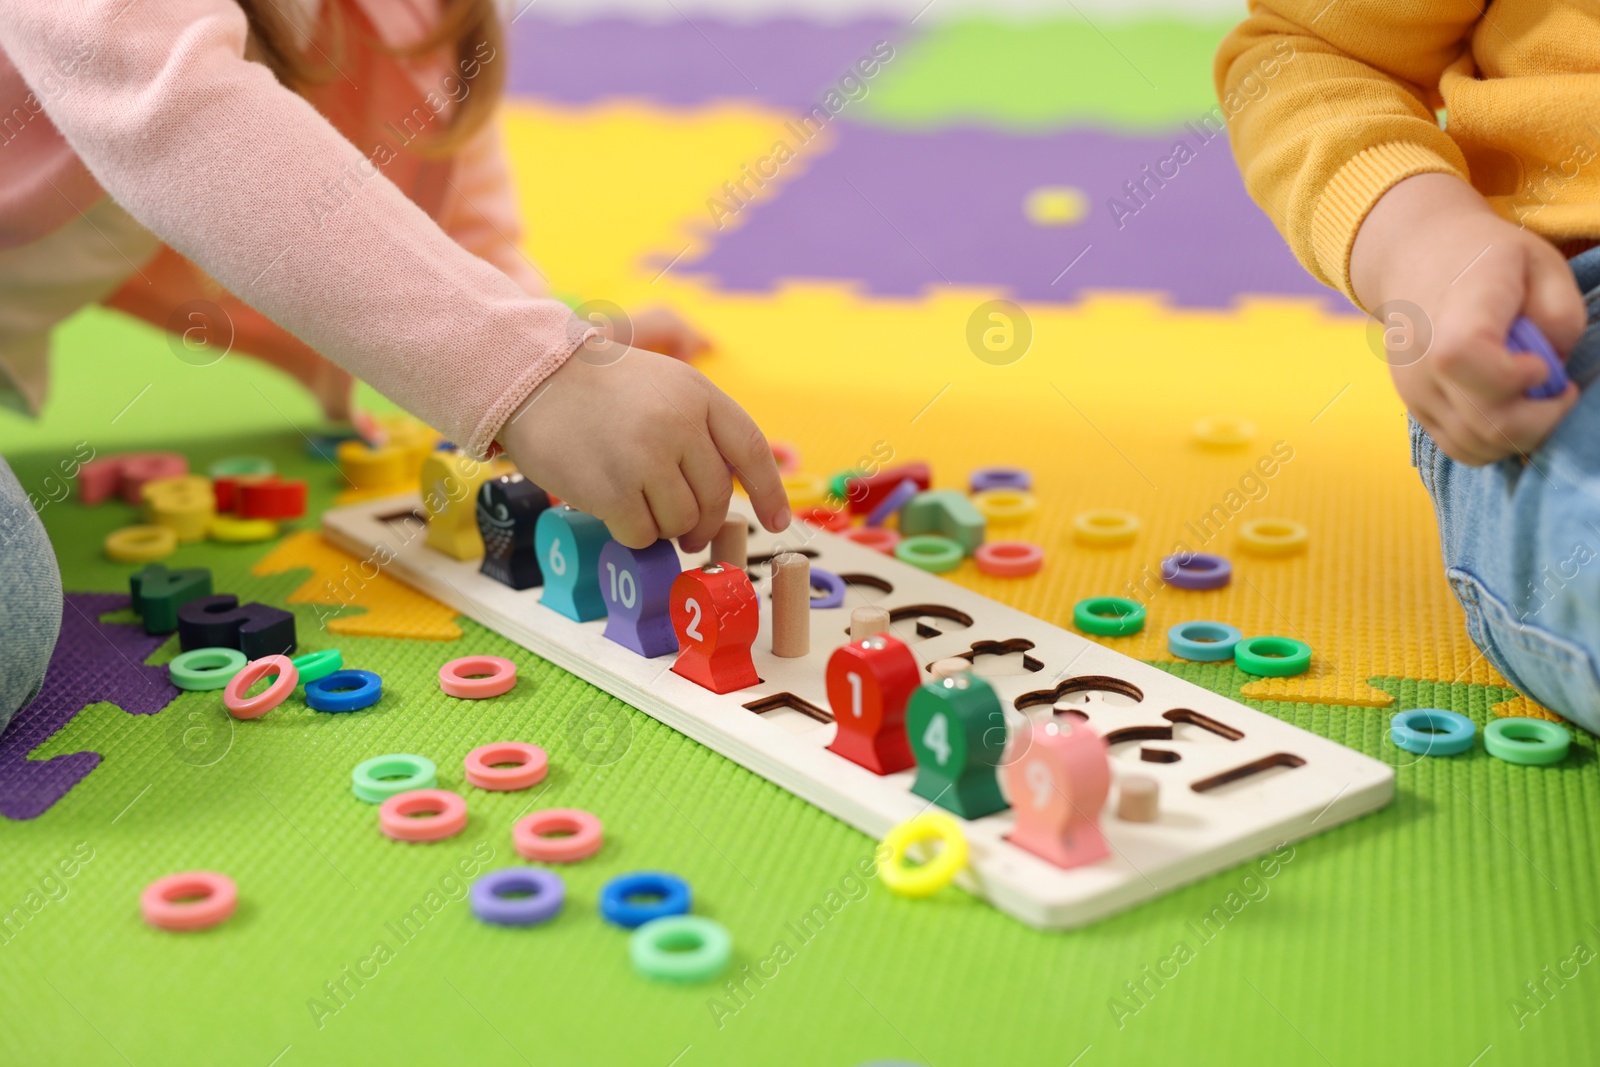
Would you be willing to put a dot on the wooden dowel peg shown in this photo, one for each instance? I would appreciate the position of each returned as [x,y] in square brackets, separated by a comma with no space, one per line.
[731,544]
[866,621]
[791,605]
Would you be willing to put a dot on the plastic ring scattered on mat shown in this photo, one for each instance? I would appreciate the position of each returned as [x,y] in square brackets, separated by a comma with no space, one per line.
[1196,570]
[231,530]
[1272,657]
[1273,537]
[823,518]
[1203,641]
[805,490]
[238,466]
[670,895]
[345,690]
[1108,616]
[530,760]
[830,585]
[140,544]
[877,538]
[541,894]
[189,900]
[557,835]
[1008,559]
[890,505]
[681,948]
[1005,505]
[381,777]
[319,664]
[423,815]
[1432,732]
[1223,431]
[986,478]
[498,675]
[205,668]
[786,456]
[934,875]
[241,706]
[931,552]
[1105,527]
[1532,742]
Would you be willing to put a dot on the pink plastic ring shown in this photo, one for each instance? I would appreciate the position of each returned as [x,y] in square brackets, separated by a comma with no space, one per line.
[455,677]
[877,538]
[423,815]
[584,832]
[162,902]
[531,765]
[1009,559]
[786,456]
[243,707]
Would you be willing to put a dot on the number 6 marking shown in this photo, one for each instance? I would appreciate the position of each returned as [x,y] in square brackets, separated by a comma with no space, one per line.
[558,562]
[692,606]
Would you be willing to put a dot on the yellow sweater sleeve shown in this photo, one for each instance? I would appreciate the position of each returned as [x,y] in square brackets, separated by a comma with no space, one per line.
[1329,105]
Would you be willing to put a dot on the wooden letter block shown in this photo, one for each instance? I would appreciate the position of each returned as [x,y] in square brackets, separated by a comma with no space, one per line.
[637,587]
[869,682]
[1058,787]
[450,484]
[569,544]
[716,615]
[158,593]
[945,512]
[222,622]
[957,734]
[508,510]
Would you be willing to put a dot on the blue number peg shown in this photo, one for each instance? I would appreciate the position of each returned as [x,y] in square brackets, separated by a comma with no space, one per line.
[637,587]
[569,544]
[1524,336]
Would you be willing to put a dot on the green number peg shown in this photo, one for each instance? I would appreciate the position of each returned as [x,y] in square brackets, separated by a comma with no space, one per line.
[957,733]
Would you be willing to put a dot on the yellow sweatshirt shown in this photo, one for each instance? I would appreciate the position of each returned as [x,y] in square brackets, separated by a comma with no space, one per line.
[1333,102]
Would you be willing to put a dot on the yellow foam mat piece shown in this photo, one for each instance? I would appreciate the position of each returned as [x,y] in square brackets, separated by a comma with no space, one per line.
[391,608]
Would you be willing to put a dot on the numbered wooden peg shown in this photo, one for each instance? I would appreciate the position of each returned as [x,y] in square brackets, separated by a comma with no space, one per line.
[569,544]
[508,511]
[157,594]
[1058,786]
[957,732]
[450,482]
[869,682]
[716,615]
[222,622]
[637,586]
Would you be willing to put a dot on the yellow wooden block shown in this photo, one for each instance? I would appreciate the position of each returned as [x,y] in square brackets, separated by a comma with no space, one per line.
[185,505]
[341,582]
[366,467]
[450,482]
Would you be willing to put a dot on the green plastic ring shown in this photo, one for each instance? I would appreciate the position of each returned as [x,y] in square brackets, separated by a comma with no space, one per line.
[930,552]
[681,948]
[319,664]
[1272,657]
[839,484]
[1108,616]
[381,777]
[205,668]
[242,467]
[1531,742]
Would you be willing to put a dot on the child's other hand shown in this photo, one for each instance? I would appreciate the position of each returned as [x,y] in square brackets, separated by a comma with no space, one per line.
[644,443]
[1433,241]
[660,330]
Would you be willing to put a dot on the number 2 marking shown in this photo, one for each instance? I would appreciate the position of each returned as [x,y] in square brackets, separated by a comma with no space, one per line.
[937,738]
[855,694]
[692,606]
[1040,781]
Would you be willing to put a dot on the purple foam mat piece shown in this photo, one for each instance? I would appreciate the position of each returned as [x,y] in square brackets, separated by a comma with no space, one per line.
[786,63]
[899,211]
[94,661]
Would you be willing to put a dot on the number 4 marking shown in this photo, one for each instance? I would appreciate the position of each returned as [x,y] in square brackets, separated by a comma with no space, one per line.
[937,738]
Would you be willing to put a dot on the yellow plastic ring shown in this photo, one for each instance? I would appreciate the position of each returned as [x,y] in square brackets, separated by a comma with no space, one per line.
[242,531]
[140,544]
[928,878]
[1005,505]
[1105,526]
[806,490]
[1223,431]
[1273,537]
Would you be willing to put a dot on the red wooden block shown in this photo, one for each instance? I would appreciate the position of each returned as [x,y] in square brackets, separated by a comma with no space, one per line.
[864,494]
[716,614]
[99,479]
[227,489]
[869,682]
[270,498]
[137,468]
[824,519]
[1057,787]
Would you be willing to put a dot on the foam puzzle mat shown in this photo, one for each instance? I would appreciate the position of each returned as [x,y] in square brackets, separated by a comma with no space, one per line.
[844,328]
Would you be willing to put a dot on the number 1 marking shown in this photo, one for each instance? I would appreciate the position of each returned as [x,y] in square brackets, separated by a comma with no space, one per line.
[855,694]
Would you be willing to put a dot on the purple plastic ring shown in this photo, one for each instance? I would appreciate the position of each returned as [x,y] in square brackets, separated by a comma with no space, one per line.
[1196,570]
[1524,336]
[898,498]
[986,478]
[491,902]
[830,585]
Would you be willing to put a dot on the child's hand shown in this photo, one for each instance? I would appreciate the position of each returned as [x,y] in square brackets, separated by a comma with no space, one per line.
[1434,242]
[660,330]
[644,443]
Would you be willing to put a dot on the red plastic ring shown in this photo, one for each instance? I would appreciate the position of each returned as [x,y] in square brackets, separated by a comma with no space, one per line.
[243,707]
[531,766]
[423,815]
[455,677]
[825,519]
[583,830]
[878,538]
[162,902]
[1009,559]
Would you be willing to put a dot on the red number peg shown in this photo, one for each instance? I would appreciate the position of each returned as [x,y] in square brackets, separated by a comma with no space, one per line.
[716,615]
[1057,787]
[869,682]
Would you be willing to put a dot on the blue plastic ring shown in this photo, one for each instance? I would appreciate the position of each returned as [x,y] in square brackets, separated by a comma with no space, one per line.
[1203,640]
[898,498]
[1196,570]
[1524,336]
[986,478]
[830,585]
[347,690]
[616,908]
[547,892]
[1432,732]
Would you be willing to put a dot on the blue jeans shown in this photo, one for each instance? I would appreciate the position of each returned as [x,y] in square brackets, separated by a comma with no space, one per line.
[1522,541]
[30,598]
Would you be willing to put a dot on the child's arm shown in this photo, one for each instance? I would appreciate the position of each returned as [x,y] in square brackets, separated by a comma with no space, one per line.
[1331,119]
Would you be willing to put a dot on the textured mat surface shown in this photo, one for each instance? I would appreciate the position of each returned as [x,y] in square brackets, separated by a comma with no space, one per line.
[364,601]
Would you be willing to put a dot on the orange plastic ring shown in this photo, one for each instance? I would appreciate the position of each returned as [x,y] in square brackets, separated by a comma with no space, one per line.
[1009,559]
[423,815]
[163,901]
[500,674]
[243,707]
[583,830]
[531,765]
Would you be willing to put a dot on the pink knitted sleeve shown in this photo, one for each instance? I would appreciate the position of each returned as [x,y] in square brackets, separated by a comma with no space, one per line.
[232,170]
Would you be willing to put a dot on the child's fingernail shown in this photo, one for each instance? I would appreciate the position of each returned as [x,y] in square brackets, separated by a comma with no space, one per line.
[783,517]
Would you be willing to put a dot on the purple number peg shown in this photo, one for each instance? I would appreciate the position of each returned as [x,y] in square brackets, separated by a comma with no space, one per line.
[637,587]
[1524,336]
